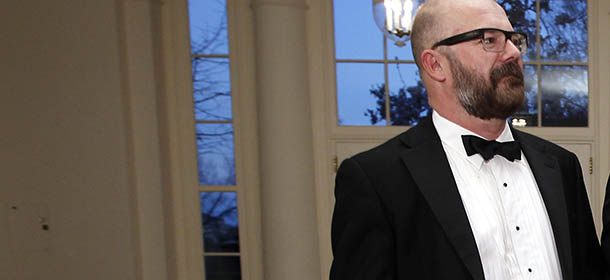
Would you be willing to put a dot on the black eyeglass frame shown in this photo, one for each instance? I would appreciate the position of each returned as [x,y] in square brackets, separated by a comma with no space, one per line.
[479,34]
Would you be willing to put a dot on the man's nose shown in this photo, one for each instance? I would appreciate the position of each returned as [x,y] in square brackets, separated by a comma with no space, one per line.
[511,52]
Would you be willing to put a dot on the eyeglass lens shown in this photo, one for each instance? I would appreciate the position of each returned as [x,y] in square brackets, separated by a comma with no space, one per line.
[495,41]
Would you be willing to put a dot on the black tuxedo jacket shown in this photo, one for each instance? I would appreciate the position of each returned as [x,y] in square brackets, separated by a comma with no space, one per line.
[399,215]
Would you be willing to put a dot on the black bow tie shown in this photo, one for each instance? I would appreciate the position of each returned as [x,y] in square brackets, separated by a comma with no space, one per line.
[487,149]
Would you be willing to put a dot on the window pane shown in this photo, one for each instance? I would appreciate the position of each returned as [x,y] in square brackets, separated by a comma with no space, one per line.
[563,30]
[215,154]
[399,53]
[529,110]
[222,268]
[356,35]
[408,98]
[219,221]
[211,88]
[360,91]
[522,15]
[565,100]
[208,26]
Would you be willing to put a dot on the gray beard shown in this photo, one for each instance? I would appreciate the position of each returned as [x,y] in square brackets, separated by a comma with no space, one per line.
[486,98]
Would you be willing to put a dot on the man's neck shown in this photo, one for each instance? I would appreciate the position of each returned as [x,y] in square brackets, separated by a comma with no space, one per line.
[490,129]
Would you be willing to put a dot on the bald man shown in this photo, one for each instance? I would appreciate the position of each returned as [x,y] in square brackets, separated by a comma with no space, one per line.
[463,195]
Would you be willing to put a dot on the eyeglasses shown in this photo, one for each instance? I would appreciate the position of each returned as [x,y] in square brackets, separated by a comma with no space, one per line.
[493,39]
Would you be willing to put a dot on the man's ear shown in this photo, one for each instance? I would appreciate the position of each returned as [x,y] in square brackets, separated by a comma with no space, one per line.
[433,67]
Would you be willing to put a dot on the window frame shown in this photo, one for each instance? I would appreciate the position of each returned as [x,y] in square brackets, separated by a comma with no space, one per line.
[184,222]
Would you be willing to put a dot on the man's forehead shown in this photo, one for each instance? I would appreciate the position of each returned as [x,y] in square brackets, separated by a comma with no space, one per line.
[464,15]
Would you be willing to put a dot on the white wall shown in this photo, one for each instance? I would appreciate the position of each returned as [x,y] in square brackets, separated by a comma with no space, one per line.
[67,143]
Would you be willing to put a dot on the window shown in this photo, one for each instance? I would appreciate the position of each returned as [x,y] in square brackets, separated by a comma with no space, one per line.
[378,83]
[214,125]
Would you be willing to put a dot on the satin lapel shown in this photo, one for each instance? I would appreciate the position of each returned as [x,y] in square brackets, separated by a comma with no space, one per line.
[548,177]
[428,165]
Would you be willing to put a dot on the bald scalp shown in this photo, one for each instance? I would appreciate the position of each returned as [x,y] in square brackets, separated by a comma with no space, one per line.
[431,22]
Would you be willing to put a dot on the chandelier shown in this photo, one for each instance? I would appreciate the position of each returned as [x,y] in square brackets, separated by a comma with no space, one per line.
[395,18]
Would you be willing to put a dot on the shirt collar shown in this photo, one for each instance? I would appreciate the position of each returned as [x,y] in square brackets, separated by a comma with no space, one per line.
[451,136]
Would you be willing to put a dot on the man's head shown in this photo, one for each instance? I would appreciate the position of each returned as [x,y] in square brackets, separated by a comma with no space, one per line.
[480,71]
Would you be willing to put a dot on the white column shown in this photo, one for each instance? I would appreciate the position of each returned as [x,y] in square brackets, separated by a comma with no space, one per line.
[290,240]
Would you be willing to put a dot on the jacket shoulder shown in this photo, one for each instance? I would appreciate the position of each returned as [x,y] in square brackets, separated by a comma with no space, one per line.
[382,152]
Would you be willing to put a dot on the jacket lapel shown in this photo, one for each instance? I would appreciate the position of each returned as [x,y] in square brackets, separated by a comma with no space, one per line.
[548,177]
[435,180]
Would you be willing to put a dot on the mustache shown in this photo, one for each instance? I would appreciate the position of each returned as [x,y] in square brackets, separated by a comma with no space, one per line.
[510,68]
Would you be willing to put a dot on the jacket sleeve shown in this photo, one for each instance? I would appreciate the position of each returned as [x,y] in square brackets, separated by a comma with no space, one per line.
[587,256]
[362,237]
